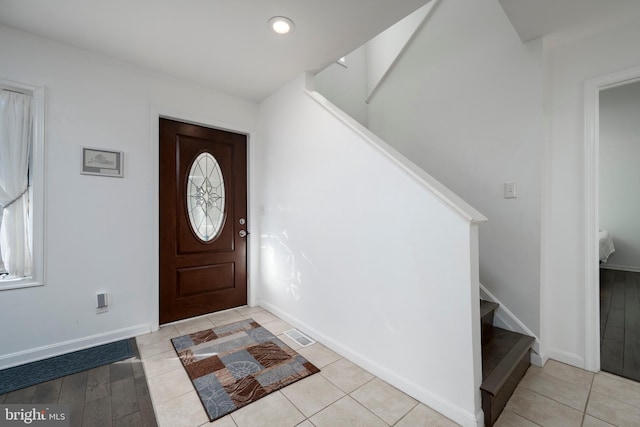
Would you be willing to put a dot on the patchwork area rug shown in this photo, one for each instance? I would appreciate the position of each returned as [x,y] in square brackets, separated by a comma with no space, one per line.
[236,364]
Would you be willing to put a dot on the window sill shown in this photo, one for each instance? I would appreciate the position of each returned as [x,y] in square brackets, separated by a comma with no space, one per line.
[25,282]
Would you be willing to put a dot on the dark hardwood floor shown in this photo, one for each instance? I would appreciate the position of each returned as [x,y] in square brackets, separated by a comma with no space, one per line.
[109,396]
[620,323]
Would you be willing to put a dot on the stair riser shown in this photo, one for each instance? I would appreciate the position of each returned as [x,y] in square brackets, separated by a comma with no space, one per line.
[493,405]
[487,310]
[487,327]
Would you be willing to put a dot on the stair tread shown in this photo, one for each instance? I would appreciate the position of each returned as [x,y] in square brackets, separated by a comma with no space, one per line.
[500,357]
[487,307]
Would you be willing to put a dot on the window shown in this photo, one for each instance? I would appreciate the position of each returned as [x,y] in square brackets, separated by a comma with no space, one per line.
[21,185]
[205,197]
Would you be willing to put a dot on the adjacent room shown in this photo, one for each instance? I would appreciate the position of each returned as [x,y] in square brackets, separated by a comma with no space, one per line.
[619,209]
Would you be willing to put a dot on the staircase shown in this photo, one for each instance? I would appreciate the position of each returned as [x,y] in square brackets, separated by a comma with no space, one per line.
[505,359]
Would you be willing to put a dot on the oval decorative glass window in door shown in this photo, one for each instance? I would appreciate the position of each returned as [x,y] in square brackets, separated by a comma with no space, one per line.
[205,197]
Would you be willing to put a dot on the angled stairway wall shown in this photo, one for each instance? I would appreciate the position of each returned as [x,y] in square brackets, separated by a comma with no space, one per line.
[464,101]
[352,84]
[367,253]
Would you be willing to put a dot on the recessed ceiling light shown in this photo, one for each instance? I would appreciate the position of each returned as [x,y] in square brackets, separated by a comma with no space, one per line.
[281,24]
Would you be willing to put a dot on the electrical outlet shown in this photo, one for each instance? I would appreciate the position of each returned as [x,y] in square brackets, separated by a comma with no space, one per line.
[102,302]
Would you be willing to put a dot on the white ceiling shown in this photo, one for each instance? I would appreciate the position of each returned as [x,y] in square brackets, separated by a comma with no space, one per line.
[222,44]
[226,45]
[535,18]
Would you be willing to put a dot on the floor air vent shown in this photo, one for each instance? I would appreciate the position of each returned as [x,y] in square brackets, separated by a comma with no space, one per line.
[299,337]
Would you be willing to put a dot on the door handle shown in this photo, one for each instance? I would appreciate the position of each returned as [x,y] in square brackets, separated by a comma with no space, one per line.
[243,233]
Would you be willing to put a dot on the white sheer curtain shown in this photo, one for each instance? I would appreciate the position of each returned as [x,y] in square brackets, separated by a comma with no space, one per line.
[15,146]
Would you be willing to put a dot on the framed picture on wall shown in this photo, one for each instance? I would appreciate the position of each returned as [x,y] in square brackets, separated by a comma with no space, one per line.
[96,161]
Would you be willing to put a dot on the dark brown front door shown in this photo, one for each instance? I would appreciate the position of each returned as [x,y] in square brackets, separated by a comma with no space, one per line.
[203,211]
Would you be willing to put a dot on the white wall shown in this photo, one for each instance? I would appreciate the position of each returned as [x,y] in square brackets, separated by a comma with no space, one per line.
[101,233]
[384,49]
[363,258]
[465,103]
[346,86]
[350,87]
[620,174]
[568,65]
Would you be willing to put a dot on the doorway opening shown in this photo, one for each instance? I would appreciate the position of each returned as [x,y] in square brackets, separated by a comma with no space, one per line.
[601,322]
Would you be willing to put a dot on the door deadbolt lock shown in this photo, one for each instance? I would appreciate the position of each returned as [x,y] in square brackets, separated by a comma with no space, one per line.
[243,233]
[242,221]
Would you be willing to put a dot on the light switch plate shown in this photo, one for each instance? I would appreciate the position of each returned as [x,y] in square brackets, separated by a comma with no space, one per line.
[510,191]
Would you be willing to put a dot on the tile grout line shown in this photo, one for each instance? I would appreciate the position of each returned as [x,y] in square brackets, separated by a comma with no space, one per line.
[570,381]
[586,404]
[409,411]
[555,400]
[363,405]
[589,396]
[329,379]
[367,382]
[169,400]
[539,394]
[306,418]
[367,409]
[520,415]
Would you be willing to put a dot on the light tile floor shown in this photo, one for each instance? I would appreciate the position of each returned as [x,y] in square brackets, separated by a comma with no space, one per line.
[343,394]
[561,395]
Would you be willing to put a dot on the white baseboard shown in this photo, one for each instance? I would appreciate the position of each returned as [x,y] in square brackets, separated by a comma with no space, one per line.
[425,396]
[537,360]
[564,357]
[44,352]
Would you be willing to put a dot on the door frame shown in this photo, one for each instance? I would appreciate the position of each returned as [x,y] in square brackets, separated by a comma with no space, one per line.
[592,90]
[154,155]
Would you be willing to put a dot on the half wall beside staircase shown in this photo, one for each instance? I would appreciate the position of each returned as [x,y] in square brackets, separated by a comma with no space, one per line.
[354,233]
